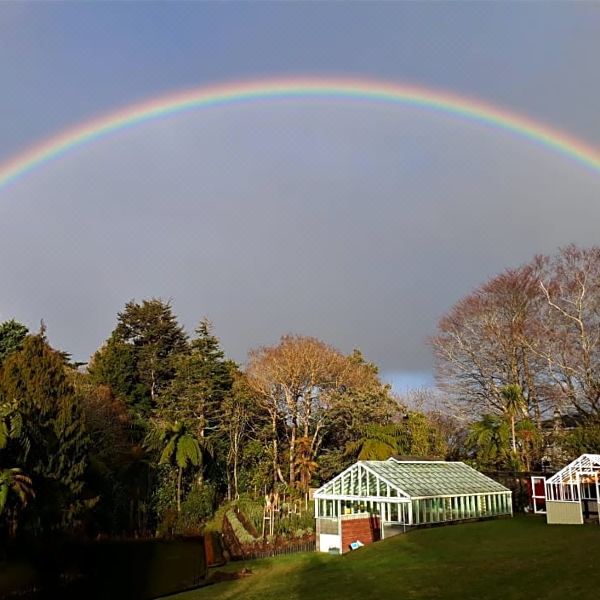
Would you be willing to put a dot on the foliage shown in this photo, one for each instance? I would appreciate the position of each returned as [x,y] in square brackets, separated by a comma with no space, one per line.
[16,482]
[252,510]
[197,507]
[582,440]
[177,447]
[241,533]
[290,522]
[55,456]
[489,439]
[297,384]
[111,473]
[413,435]
[202,379]
[114,365]
[137,360]
[12,335]
[164,495]
[333,461]
[376,442]
[200,502]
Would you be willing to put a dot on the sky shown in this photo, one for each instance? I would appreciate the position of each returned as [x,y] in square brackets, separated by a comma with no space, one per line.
[355,222]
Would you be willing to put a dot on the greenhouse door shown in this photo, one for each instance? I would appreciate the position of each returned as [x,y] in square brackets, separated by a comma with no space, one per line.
[538,495]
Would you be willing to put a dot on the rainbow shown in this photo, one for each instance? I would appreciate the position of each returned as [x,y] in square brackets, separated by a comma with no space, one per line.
[301,88]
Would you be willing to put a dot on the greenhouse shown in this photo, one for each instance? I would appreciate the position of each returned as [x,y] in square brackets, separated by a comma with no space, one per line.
[572,494]
[392,495]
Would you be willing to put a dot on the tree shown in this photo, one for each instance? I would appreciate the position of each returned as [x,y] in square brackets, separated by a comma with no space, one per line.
[514,406]
[536,327]
[15,481]
[179,448]
[115,365]
[305,465]
[55,455]
[490,340]
[351,408]
[297,383]
[240,422]
[376,442]
[12,335]
[569,323]
[112,455]
[137,361]
[201,381]
[414,434]
[490,440]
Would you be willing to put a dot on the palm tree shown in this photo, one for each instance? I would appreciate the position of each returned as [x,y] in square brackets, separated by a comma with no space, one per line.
[529,441]
[376,442]
[490,437]
[305,465]
[514,404]
[179,448]
[15,481]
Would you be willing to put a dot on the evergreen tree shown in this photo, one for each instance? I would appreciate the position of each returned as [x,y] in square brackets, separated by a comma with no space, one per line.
[12,335]
[114,365]
[202,380]
[152,329]
[55,455]
[137,362]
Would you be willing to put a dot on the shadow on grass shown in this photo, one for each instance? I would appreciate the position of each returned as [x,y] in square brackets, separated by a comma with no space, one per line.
[136,570]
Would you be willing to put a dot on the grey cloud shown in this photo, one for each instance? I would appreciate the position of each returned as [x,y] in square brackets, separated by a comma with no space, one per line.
[358,224]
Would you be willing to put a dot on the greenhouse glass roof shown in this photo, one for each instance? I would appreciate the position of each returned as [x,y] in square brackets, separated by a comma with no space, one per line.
[433,478]
[407,479]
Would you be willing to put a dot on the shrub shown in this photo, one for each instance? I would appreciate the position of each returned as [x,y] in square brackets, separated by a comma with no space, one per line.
[196,509]
[253,510]
[241,533]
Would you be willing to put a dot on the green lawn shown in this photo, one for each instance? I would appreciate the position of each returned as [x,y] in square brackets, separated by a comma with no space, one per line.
[509,558]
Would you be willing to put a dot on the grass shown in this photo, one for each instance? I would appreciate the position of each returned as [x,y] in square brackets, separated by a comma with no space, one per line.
[505,559]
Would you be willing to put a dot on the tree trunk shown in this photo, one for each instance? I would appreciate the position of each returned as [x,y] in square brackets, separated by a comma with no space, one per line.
[292,456]
[180,474]
[275,457]
[202,432]
[236,494]
[514,438]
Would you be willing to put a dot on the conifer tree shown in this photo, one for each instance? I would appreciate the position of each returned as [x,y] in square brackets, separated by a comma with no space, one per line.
[137,361]
[203,378]
[55,456]
[12,334]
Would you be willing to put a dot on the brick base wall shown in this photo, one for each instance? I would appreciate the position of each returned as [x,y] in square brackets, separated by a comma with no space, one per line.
[365,530]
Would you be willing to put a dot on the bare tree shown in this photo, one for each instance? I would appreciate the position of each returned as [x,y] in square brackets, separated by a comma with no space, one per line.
[569,320]
[491,339]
